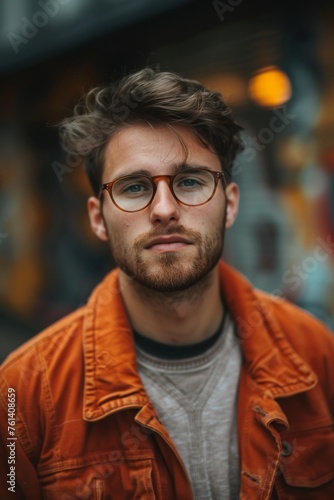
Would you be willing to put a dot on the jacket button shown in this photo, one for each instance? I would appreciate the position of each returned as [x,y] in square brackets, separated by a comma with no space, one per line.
[286,449]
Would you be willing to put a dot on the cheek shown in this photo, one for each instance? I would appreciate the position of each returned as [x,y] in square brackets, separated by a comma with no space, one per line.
[206,217]
[123,228]
[219,209]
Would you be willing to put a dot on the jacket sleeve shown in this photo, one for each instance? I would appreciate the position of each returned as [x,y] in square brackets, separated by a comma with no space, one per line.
[23,484]
[18,475]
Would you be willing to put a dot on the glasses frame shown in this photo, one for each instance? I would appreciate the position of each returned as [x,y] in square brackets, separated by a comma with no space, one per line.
[217,176]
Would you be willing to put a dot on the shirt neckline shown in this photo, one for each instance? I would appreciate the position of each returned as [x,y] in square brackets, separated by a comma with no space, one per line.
[170,352]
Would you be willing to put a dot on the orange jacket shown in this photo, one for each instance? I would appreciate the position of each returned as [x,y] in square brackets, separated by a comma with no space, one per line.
[85,429]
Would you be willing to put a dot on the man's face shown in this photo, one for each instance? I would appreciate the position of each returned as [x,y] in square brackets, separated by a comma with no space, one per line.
[167,246]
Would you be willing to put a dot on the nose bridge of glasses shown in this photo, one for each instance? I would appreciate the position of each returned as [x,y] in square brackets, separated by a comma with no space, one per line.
[156,178]
[168,179]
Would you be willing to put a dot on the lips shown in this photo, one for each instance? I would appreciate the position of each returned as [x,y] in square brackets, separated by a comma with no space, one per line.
[168,242]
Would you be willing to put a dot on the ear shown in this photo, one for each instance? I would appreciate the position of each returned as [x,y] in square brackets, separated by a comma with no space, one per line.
[96,218]
[232,200]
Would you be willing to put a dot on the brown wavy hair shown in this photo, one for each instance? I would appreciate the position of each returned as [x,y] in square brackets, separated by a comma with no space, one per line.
[155,98]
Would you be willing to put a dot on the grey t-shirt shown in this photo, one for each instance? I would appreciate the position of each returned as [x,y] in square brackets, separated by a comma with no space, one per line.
[196,400]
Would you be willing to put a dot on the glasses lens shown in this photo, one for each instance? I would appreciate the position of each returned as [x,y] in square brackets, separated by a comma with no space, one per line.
[193,187]
[132,193]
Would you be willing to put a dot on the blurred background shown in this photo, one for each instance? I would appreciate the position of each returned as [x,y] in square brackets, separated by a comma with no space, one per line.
[274,64]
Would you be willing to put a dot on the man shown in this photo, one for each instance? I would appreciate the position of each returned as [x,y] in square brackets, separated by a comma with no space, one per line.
[177,380]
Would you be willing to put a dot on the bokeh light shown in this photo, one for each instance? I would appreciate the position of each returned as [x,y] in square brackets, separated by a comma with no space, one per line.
[270,87]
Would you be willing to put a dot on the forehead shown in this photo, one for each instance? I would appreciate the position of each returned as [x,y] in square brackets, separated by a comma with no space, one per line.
[155,149]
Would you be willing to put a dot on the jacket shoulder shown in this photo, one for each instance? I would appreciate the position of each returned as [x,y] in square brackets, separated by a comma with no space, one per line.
[311,338]
[293,319]
[33,371]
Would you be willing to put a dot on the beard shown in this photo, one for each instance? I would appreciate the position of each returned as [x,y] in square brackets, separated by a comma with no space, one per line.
[169,271]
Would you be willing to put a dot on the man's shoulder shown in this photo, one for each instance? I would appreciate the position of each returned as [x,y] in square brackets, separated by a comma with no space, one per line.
[289,312]
[261,307]
[300,327]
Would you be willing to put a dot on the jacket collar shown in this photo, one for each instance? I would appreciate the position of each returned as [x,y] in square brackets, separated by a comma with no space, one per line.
[111,379]
[263,327]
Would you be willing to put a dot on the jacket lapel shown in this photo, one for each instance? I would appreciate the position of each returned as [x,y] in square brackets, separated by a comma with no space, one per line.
[111,379]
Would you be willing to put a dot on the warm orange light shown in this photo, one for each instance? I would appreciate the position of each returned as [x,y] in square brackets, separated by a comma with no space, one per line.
[270,87]
[232,87]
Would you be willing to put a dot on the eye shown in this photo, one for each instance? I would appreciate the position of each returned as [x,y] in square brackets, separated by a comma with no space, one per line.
[135,188]
[191,181]
[132,187]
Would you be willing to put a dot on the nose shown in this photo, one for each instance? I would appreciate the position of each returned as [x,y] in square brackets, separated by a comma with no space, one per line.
[164,207]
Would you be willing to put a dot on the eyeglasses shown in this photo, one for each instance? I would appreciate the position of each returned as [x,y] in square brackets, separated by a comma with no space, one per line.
[191,186]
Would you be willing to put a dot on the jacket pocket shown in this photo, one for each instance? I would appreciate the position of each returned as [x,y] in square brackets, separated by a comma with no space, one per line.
[75,488]
[118,477]
[307,466]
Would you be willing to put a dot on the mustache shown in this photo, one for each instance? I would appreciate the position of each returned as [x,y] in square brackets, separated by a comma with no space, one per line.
[192,235]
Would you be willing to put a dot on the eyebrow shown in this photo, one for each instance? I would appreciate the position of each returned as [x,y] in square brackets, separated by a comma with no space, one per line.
[176,168]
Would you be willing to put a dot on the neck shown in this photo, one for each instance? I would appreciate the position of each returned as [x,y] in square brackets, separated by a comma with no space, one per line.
[177,318]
